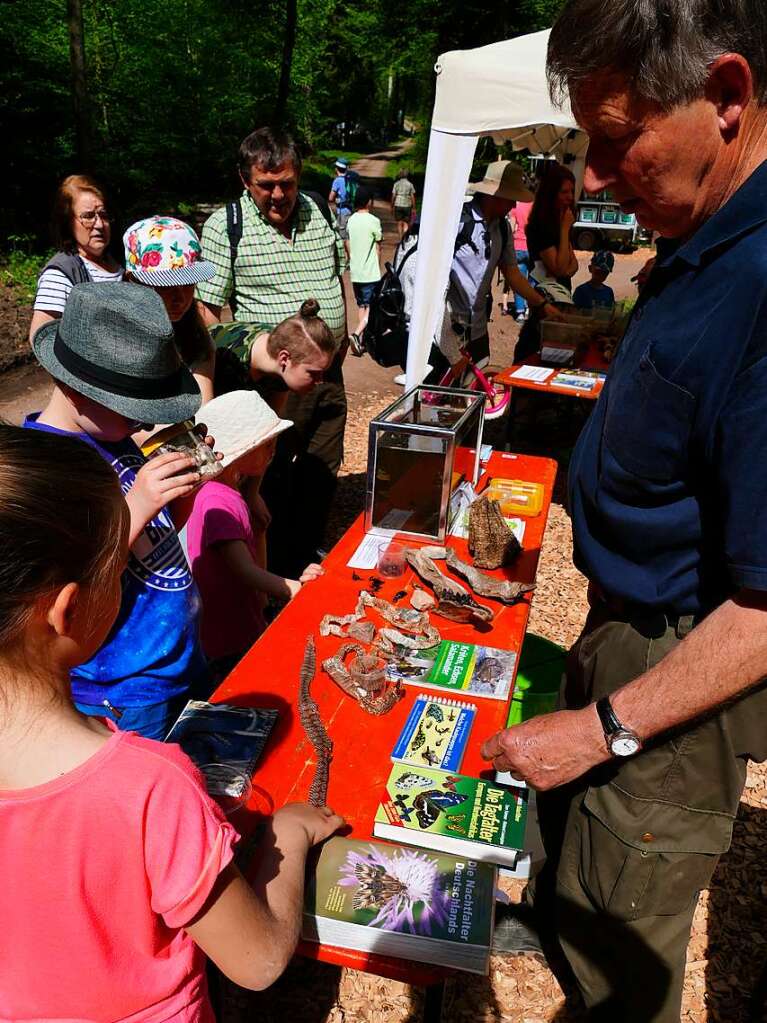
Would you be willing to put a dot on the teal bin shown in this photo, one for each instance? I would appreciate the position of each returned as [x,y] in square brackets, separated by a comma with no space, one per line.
[539,677]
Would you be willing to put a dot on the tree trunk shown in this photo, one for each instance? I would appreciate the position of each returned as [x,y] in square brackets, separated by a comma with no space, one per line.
[289,41]
[79,86]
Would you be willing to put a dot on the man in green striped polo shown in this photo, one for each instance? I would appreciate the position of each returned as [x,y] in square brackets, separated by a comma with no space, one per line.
[288,252]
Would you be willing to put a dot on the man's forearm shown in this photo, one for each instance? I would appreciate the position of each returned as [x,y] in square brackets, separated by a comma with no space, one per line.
[721,659]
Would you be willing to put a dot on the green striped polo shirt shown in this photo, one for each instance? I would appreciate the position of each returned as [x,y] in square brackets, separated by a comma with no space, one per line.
[274,274]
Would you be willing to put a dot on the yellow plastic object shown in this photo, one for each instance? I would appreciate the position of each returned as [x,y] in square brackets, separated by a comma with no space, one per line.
[516,497]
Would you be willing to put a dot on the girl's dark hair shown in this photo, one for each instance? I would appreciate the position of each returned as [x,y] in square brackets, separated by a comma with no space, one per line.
[64,207]
[544,215]
[300,334]
[192,337]
[61,512]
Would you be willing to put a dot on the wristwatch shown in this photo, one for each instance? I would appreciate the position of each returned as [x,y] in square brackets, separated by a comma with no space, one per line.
[621,742]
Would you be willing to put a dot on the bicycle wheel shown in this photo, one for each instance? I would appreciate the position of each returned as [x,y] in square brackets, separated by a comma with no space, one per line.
[498,404]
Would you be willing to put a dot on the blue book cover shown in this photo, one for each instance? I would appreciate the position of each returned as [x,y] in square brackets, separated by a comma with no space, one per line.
[436,733]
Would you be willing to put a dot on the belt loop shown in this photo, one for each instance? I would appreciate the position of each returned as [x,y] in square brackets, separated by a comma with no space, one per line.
[684,625]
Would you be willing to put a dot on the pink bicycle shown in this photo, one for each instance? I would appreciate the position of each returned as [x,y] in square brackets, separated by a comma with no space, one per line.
[472,378]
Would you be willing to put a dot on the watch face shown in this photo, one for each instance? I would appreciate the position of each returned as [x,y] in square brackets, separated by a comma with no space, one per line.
[624,744]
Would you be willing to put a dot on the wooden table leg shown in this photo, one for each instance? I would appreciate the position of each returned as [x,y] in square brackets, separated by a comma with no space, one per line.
[432,1006]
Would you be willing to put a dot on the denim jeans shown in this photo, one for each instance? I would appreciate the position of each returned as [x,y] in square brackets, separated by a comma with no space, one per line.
[523,262]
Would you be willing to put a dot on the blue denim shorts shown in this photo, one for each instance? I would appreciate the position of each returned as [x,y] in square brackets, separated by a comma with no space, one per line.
[363,293]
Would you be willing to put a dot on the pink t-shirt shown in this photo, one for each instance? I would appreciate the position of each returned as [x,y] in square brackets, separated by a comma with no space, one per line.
[521,214]
[232,616]
[102,867]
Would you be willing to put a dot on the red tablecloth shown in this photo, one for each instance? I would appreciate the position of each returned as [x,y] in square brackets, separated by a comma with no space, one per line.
[268,677]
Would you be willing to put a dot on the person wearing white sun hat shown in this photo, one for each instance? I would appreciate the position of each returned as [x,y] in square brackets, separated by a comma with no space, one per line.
[223,548]
[165,254]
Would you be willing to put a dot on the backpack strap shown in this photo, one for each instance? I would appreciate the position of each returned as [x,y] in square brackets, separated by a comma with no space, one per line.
[323,205]
[234,234]
[466,230]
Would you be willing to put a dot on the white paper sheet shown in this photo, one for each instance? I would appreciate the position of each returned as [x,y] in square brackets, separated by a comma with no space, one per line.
[366,555]
[540,374]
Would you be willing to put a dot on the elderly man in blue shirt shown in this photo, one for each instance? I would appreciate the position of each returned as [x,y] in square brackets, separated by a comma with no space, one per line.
[665,700]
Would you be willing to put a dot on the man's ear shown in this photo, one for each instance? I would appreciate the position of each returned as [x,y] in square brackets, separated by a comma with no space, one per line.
[730,88]
[62,611]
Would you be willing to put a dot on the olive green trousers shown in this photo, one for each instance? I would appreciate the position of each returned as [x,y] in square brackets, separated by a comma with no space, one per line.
[631,844]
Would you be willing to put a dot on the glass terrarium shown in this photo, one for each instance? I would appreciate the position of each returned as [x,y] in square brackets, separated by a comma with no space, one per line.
[420,449]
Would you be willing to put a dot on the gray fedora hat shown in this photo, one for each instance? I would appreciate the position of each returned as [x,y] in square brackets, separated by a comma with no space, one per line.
[115,344]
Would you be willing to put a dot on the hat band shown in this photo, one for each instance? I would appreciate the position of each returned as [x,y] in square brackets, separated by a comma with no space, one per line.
[111,380]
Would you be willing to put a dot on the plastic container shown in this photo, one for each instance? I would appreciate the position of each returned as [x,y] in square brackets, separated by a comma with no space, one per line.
[539,678]
[184,438]
[229,786]
[391,559]
[516,497]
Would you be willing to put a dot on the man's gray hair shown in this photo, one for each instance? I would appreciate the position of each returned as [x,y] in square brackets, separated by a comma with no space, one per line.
[663,47]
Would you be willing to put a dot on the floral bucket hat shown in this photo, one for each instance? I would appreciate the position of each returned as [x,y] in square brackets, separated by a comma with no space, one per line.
[163,251]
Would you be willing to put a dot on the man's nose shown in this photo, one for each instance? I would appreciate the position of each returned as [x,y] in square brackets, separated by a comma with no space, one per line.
[599,172]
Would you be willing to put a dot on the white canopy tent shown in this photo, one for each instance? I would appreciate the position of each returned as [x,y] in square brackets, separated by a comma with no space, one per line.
[498,91]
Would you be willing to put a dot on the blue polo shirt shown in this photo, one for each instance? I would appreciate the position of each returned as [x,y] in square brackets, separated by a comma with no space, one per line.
[668,482]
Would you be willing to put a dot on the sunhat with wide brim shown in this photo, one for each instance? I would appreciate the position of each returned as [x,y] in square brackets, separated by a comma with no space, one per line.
[115,345]
[239,422]
[504,180]
[163,252]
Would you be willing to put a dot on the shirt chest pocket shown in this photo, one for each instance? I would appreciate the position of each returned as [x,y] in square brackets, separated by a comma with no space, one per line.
[648,422]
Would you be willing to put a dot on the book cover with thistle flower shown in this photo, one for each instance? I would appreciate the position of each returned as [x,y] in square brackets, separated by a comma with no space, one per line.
[453,813]
[404,902]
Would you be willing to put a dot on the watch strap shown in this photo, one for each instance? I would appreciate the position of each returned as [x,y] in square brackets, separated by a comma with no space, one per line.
[610,723]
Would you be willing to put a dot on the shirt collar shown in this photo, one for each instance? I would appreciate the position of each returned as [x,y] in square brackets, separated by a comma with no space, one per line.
[300,206]
[742,212]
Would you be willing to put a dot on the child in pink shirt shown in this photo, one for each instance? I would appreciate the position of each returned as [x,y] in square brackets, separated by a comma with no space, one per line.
[118,865]
[223,550]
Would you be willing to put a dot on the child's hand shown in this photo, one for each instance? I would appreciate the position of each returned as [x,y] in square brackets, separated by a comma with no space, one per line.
[311,572]
[161,481]
[317,822]
[202,431]
[293,586]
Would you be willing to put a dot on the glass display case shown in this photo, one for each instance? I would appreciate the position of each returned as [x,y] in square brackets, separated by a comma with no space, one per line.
[420,449]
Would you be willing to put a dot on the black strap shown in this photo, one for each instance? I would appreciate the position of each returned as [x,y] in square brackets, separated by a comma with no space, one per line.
[234,233]
[323,205]
[610,723]
[118,383]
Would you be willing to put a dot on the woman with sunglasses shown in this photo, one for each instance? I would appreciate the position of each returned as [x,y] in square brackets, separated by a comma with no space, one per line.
[82,230]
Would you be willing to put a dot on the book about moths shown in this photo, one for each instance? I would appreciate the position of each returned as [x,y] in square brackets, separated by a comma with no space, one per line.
[452,812]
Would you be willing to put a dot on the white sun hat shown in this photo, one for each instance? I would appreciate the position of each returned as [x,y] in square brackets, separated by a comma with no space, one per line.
[240,422]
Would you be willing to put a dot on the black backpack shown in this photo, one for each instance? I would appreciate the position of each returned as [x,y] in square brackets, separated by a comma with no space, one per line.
[234,232]
[385,336]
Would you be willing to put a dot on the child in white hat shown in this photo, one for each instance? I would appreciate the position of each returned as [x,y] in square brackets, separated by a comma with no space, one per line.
[224,548]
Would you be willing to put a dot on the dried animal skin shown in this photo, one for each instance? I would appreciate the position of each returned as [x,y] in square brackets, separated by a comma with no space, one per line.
[491,543]
[497,589]
[362,631]
[453,600]
[373,703]
[390,639]
[406,618]
[311,722]
[333,625]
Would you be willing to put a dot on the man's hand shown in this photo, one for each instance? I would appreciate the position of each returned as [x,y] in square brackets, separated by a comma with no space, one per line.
[549,750]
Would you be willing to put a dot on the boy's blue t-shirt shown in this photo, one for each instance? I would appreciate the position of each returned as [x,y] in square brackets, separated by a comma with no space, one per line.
[153,651]
[586,296]
[339,187]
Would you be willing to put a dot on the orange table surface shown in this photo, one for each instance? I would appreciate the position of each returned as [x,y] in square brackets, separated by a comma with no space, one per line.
[269,673]
[591,359]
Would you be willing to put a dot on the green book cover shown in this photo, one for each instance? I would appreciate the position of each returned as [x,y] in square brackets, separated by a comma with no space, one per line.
[396,900]
[459,668]
[453,812]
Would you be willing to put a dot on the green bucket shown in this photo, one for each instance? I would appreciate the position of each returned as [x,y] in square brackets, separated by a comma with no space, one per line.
[539,677]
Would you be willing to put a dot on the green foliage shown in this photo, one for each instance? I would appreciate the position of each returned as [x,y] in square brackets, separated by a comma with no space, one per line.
[19,268]
[174,87]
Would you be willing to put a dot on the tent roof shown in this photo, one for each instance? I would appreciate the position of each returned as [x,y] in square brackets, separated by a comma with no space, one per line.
[500,90]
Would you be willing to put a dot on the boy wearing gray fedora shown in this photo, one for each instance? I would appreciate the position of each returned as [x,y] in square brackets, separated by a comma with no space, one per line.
[117,370]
